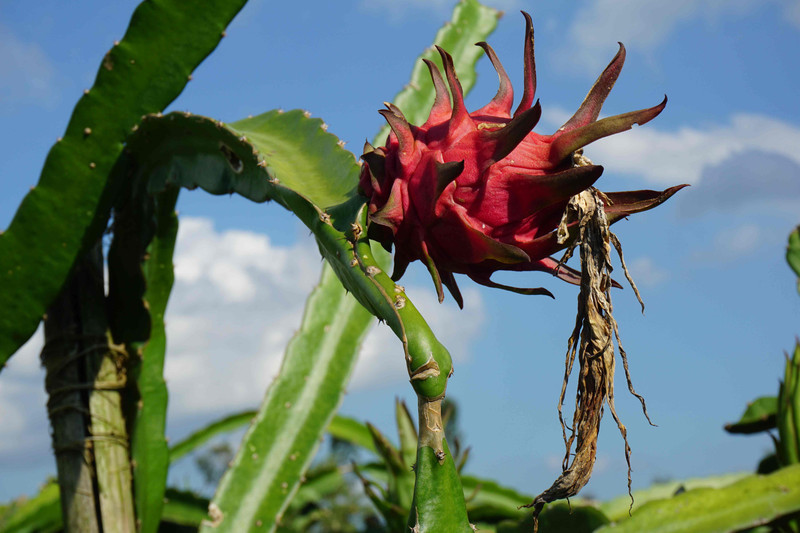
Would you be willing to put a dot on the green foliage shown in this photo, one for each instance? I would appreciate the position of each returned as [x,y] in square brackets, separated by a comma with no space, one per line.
[40,514]
[618,509]
[203,435]
[751,501]
[760,415]
[557,518]
[793,253]
[183,508]
[351,430]
[788,412]
[150,66]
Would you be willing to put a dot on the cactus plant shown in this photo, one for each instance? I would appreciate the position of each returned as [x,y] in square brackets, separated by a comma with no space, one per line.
[120,156]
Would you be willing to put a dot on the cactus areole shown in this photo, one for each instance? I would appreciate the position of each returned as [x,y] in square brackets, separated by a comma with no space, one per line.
[474,193]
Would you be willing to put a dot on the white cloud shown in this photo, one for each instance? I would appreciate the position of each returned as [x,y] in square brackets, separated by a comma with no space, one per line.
[747,180]
[643,25]
[646,272]
[792,13]
[23,414]
[237,300]
[26,73]
[732,243]
[672,157]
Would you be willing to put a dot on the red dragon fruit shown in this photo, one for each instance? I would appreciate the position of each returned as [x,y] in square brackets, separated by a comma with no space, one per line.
[473,193]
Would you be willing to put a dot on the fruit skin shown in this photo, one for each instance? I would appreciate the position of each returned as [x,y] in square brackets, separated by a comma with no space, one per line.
[474,193]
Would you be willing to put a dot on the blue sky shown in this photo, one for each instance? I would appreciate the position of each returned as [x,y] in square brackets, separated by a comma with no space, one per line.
[721,303]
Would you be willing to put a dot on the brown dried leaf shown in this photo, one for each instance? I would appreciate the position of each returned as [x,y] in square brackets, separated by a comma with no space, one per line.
[592,341]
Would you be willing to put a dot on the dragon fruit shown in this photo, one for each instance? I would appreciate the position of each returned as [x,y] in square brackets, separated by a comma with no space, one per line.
[474,193]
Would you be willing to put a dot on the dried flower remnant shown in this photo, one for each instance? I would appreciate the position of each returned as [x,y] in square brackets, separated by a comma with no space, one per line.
[474,193]
[592,340]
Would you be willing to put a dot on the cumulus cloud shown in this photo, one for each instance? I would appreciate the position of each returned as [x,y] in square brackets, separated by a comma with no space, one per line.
[23,415]
[646,272]
[682,156]
[646,24]
[26,73]
[732,243]
[751,178]
[237,300]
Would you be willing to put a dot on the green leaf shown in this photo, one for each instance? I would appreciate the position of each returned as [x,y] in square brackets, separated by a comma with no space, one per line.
[184,508]
[390,455]
[557,518]
[203,435]
[758,416]
[487,501]
[164,43]
[618,508]
[793,252]
[752,501]
[352,431]
[40,514]
[471,23]
[406,431]
[299,405]
[788,411]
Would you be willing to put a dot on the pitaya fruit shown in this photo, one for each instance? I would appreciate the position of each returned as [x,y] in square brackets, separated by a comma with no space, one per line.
[473,193]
